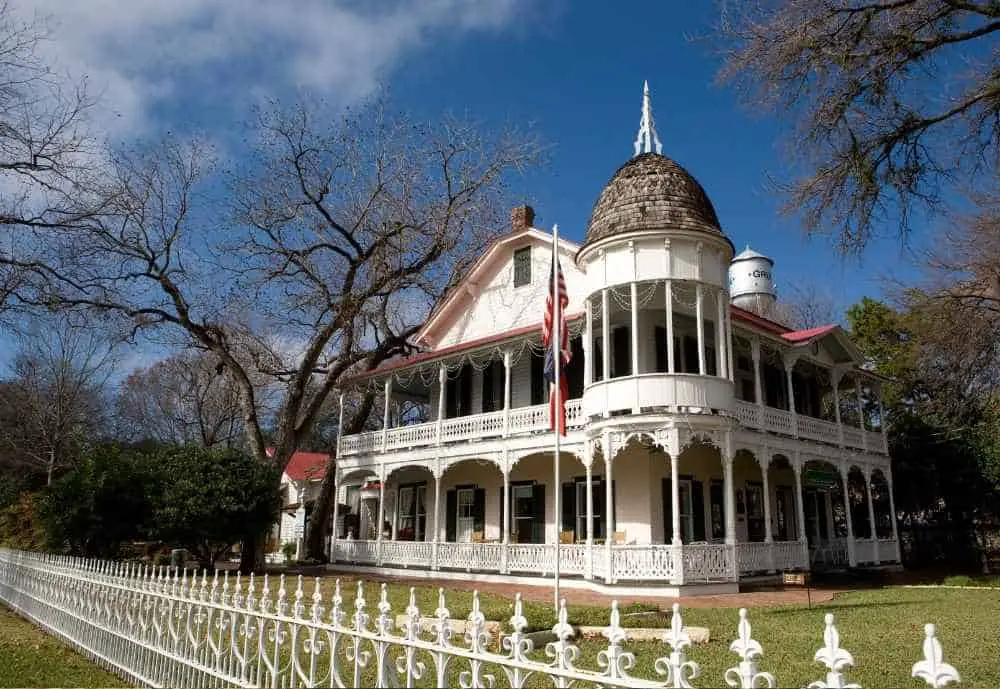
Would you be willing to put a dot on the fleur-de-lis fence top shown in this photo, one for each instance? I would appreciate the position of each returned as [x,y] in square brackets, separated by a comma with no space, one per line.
[242,632]
[932,669]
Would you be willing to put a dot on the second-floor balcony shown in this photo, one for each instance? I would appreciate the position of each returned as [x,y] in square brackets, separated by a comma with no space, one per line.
[534,419]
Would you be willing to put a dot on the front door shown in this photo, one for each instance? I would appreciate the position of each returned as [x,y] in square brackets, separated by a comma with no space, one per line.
[784,514]
[522,513]
[816,522]
[755,511]
[465,518]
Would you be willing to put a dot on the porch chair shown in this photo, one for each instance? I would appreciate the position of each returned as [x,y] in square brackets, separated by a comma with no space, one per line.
[477,536]
[619,538]
[566,537]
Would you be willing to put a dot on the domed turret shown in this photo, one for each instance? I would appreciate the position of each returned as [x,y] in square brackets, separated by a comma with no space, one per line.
[751,283]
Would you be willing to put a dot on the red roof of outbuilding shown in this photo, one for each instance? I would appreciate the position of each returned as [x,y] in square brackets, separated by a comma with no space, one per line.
[306,466]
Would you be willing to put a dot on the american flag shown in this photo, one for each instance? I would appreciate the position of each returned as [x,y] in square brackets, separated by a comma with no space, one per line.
[551,304]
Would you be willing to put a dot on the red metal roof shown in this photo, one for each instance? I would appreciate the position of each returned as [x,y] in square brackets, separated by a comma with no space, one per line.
[804,335]
[306,466]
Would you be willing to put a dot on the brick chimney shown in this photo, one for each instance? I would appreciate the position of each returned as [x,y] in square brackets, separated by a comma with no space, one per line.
[521,218]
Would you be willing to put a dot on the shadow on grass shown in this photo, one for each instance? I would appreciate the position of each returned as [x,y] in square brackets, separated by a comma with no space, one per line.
[833,606]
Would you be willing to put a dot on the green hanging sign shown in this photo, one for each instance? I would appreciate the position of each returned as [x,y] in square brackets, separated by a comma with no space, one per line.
[821,478]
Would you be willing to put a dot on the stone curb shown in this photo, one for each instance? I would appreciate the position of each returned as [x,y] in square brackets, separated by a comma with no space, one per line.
[947,586]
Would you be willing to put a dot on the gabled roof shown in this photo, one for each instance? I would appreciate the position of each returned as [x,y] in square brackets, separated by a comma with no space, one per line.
[484,266]
[802,338]
[305,466]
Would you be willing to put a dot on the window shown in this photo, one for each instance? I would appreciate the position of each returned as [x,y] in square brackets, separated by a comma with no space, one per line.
[717,507]
[522,267]
[755,511]
[527,514]
[597,491]
[466,516]
[411,517]
[621,352]
[687,511]
[353,499]
[493,384]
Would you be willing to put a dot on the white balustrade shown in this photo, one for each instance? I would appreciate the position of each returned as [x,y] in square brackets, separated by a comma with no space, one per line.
[788,555]
[753,557]
[155,626]
[854,437]
[360,552]
[887,549]
[470,556]
[407,553]
[864,550]
[817,429]
[643,562]
[707,562]
[747,413]
[658,390]
[777,420]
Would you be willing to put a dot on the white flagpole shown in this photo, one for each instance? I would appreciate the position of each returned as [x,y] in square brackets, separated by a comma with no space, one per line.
[557,361]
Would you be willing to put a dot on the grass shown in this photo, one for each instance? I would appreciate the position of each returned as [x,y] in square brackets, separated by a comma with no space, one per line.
[882,628]
[31,658]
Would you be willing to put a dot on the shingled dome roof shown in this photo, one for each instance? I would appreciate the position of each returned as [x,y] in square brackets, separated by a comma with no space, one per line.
[651,192]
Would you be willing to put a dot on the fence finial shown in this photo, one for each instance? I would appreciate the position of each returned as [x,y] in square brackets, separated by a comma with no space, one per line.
[834,657]
[745,675]
[932,669]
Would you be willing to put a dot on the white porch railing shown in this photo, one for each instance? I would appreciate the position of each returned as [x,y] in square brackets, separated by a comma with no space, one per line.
[464,428]
[831,553]
[777,556]
[156,627]
[780,421]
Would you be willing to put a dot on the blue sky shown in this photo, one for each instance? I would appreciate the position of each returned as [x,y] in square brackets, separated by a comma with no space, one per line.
[572,70]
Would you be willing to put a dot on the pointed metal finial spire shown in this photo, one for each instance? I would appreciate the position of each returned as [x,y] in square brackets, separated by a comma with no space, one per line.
[647,137]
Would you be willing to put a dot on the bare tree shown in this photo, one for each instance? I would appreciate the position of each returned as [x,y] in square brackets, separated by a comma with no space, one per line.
[182,399]
[807,306]
[342,238]
[46,156]
[895,102]
[54,401]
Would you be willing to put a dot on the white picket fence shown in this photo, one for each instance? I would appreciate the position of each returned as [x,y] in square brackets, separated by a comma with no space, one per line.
[156,628]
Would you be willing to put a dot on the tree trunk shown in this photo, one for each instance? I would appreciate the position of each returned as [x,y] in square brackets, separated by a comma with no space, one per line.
[315,534]
[252,554]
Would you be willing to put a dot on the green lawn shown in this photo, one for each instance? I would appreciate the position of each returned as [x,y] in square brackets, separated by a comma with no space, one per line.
[31,658]
[882,628]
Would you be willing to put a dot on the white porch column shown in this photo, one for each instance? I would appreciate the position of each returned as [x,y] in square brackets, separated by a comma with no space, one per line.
[861,412]
[668,291]
[764,460]
[605,343]
[758,389]
[881,421]
[300,522]
[609,520]
[676,541]
[505,536]
[800,511]
[588,344]
[699,314]
[634,289]
[442,380]
[588,461]
[835,377]
[730,503]
[871,513]
[845,471]
[892,514]
[506,392]
[789,367]
[385,413]
[336,515]
[720,332]
[437,518]
[729,336]
[380,515]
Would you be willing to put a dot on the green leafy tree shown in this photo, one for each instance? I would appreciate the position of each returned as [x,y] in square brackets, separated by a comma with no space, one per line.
[105,501]
[212,498]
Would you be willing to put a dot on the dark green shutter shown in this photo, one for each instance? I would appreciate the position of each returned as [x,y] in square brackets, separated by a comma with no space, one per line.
[599,524]
[479,509]
[716,500]
[611,512]
[668,503]
[698,505]
[538,518]
[451,511]
[569,508]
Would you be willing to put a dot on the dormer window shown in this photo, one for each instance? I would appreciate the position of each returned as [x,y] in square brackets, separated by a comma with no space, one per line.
[522,267]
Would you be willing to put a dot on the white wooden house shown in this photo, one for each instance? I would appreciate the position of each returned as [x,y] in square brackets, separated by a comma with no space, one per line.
[707,442]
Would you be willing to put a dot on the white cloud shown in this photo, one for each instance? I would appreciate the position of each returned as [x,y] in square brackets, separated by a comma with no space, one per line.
[141,55]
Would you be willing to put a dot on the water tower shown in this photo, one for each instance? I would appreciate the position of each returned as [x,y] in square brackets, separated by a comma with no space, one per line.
[751,283]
